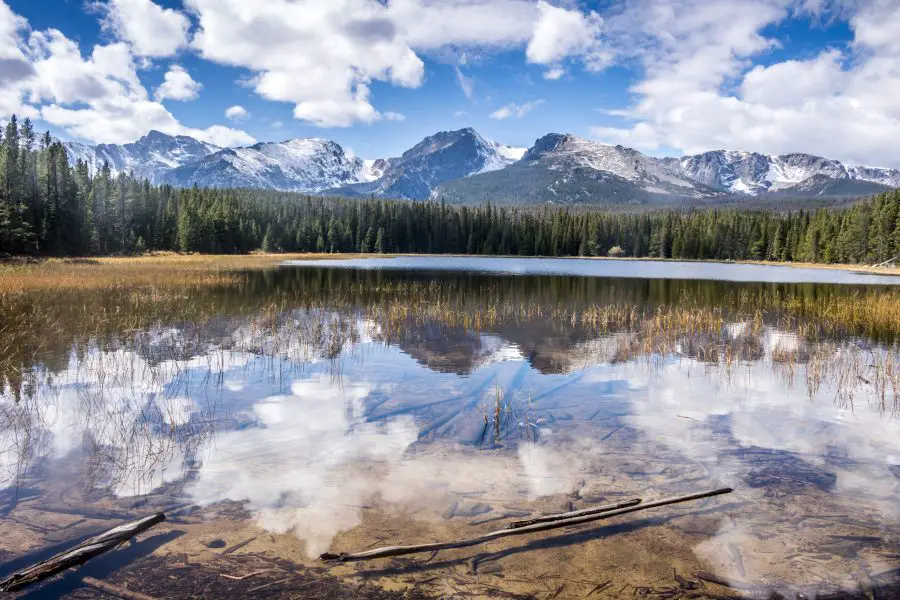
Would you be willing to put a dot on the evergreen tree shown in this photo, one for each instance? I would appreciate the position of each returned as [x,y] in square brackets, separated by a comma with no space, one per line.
[379,241]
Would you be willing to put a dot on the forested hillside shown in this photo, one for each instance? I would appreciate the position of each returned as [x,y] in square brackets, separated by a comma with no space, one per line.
[50,208]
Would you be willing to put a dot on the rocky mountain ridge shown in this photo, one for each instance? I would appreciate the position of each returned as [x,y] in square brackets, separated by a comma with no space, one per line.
[464,167]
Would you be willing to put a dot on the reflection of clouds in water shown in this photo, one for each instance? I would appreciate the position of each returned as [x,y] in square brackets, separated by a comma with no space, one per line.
[761,411]
[780,342]
[176,411]
[116,406]
[549,470]
[708,421]
[311,462]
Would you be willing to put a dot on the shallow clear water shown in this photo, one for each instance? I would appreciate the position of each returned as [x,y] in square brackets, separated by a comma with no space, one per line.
[342,428]
[638,269]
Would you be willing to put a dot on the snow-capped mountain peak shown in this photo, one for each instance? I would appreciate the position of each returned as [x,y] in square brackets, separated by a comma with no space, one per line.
[151,156]
[565,152]
[753,173]
[441,157]
[560,167]
[301,164]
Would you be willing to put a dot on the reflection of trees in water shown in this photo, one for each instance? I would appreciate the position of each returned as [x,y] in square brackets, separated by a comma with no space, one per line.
[42,328]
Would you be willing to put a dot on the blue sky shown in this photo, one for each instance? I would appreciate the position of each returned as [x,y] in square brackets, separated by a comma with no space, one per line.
[666,77]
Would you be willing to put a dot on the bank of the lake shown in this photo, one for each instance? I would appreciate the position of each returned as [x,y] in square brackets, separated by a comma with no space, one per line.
[172,269]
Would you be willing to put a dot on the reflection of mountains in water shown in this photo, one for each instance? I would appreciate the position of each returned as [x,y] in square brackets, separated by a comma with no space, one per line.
[443,318]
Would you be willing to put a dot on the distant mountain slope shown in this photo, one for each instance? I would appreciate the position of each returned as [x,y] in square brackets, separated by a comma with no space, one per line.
[150,157]
[821,185]
[787,174]
[303,165]
[464,167]
[567,169]
[444,156]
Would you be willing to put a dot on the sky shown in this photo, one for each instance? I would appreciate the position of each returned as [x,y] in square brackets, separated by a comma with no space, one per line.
[667,77]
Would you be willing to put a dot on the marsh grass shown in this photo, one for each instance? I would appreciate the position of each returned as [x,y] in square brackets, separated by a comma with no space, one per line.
[56,308]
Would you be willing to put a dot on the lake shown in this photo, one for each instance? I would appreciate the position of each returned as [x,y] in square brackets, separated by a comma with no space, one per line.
[339,406]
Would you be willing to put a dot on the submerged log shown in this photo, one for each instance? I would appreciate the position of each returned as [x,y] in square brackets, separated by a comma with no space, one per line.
[389,551]
[729,583]
[81,553]
[575,513]
[115,590]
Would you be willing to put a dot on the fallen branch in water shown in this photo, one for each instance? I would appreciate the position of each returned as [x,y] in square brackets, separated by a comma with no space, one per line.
[389,551]
[81,553]
[115,590]
[575,513]
[729,583]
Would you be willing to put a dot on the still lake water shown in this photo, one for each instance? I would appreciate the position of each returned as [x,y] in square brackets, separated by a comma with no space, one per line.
[352,404]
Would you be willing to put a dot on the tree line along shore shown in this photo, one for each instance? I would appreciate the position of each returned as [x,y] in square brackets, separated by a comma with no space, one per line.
[50,208]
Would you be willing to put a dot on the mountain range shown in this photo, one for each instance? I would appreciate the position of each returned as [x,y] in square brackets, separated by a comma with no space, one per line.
[465,167]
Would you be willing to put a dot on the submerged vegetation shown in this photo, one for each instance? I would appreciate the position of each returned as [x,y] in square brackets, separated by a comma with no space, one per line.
[557,321]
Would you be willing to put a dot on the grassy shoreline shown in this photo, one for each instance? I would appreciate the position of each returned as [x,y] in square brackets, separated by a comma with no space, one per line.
[192,269]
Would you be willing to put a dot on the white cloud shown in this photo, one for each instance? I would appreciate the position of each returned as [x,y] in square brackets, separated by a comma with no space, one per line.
[323,56]
[178,85]
[642,136]
[560,33]
[393,116]
[465,84]
[700,90]
[221,136]
[515,110]
[151,30]
[877,25]
[98,97]
[236,113]
[14,65]
[554,73]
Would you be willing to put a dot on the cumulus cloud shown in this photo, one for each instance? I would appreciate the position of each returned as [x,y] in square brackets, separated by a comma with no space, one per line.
[151,30]
[554,73]
[221,135]
[236,113]
[14,65]
[560,33]
[701,91]
[178,85]
[323,56]
[96,96]
[513,110]
[393,116]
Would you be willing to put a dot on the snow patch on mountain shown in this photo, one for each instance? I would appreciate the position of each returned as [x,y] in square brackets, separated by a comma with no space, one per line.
[302,165]
[565,152]
[499,156]
[374,169]
[438,158]
[151,157]
[752,173]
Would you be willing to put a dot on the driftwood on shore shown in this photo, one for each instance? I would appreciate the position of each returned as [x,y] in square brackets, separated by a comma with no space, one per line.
[389,551]
[79,554]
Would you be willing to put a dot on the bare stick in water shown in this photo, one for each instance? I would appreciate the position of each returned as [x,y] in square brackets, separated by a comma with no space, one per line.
[596,510]
[389,551]
[81,553]
[115,590]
